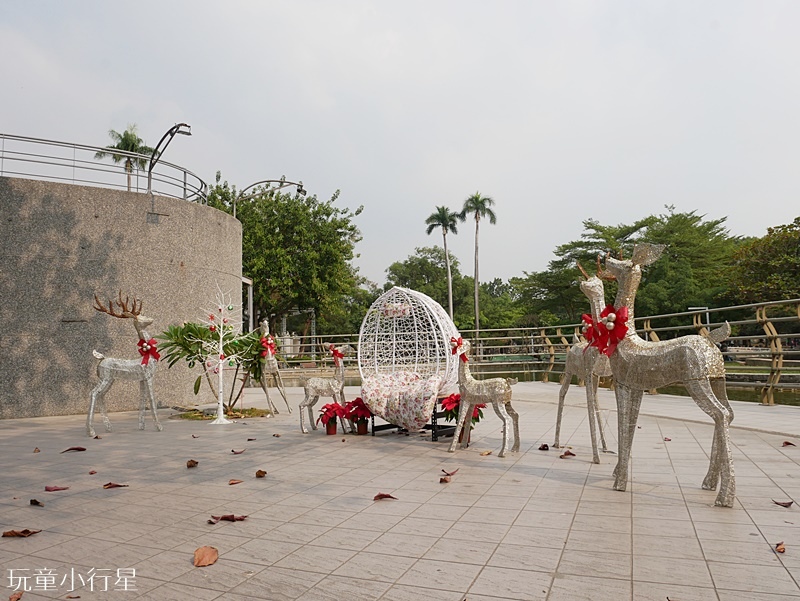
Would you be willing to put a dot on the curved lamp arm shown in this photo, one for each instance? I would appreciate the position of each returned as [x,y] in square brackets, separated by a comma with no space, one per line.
[179,128]
[282,183]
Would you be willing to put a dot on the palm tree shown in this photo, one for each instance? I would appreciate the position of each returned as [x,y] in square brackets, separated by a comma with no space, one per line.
[448,221]
[480,206]
[127,141]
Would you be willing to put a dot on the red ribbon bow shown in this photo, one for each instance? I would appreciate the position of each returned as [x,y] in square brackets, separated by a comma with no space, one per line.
[456,344]
[337,355]
[147,349]
[269,346]
[610,330]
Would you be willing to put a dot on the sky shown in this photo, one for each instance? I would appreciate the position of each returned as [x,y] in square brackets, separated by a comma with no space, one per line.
[559,111]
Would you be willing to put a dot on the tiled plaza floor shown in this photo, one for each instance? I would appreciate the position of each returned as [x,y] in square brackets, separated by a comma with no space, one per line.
[530,526]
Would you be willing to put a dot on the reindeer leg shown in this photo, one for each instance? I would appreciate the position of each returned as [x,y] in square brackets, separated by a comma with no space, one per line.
[142,402]
[462,414]
[500,410]
[97,402]
[721,463]
[632,400]
[279,384]
[265,388]
[515,419]
[152,396]
[591,408]
[311,412]
[561,394]
[600,428]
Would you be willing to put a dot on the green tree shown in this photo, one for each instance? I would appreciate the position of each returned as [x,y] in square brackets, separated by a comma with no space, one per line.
[448,221]
[127,141]
[768,268]
[298,250]
[480,207]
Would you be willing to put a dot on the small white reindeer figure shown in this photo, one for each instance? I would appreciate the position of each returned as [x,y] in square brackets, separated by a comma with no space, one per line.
[332,387]
[589,364]
[496,391]
[141,370]
[270,367]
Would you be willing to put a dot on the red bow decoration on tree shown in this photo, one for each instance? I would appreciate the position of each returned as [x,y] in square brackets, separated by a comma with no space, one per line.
[147,349]
[610,329]
[337,354]
[456,344]
[269,346]
[589,329]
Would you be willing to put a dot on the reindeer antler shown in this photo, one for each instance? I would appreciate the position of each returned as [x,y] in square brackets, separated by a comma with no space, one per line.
[127,311]
[583,271]
[603,274]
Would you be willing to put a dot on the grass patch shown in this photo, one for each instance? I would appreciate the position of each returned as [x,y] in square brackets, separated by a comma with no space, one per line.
[198,415]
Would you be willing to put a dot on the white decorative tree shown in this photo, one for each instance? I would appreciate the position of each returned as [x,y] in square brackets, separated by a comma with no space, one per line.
[220,351]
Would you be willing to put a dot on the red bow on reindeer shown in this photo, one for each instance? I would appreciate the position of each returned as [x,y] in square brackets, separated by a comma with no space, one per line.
[456,344]
[269,346]
[147,349]
[610,329]
[589,329]
[337,354]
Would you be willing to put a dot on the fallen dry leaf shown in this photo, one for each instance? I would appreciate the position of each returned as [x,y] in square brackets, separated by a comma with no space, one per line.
[666,439]
[92,472]
[260,474]
[36,450]
[195,436]
[544,447]
[277,435]
[344,440]
[114,485]
[205,556]
[779,548]
[72,597]
[55,488]
[249,439]
[484,453]
[238,452]
[453,473]
[37,502]
[786,504]
[444,479]
[16,596]
[20,533]
[566,454]
[232,482]
[98,437]
[191,463]
[787,443]
[74,449]
[227,518]
[383,495]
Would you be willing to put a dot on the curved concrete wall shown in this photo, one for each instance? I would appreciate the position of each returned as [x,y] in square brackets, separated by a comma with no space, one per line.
[59,245]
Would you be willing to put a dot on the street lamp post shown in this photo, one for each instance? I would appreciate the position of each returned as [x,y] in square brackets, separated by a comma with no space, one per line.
[179,128]
[282,183]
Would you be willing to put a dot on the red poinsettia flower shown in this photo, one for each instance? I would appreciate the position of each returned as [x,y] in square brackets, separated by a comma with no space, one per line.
[357,410]
[451,405]
[330,412]
[610,329]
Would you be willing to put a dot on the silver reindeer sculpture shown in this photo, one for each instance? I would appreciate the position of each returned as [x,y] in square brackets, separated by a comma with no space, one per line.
[588,364]
[140,370]
[494,391]
[332,387]
[269,367]
[695,361]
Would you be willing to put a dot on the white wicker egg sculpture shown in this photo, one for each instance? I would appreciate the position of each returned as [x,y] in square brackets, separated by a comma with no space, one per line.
[405,330]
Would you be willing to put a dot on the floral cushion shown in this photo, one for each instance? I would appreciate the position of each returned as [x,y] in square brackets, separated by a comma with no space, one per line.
[402,398]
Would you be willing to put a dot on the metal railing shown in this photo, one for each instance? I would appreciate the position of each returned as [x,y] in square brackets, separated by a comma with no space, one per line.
[762,354]
[35,158]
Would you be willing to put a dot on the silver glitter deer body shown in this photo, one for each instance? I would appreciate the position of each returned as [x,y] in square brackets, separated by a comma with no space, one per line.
[693,361]
[269,367]
[140,370]
[332,387]
[588,364]
[494,391]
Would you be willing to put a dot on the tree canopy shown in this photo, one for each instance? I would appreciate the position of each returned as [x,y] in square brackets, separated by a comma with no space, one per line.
[127,141]
[298,250]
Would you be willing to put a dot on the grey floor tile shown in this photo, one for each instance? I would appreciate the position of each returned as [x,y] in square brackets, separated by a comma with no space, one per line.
[582,588]
[690,572]
[753,578]
[507,583]
[375,566]
[442,574]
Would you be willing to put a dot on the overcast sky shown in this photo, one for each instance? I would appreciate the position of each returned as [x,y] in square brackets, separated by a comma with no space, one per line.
[560,111]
